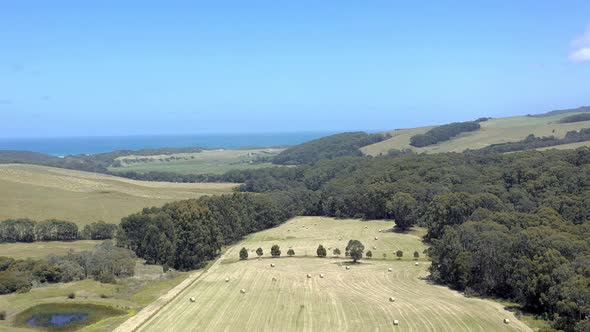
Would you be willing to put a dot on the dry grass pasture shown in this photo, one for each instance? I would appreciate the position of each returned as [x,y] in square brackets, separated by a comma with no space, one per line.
[493,131]
[39,192]
[216,161]
[283,298]
[39,250]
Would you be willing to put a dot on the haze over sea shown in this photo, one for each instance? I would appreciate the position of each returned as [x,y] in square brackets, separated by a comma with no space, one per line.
[63,146]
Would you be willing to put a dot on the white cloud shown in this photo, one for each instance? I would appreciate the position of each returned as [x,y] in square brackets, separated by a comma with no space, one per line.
[581,55]
[581,47]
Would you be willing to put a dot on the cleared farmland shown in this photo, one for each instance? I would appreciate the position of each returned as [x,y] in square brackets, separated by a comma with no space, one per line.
[43,248]
[205,162]
[493,131]
[38,192]
[283,298]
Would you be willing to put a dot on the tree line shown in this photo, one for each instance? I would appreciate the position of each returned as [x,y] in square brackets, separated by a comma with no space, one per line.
[27,230]
[533,142]
[443,133]
[186,234]
[104,263]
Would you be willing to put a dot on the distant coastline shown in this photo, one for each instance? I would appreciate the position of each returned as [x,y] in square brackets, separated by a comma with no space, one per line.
[62,146]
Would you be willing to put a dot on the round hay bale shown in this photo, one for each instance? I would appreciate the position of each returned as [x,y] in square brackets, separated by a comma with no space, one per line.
[226,279]
[321,275]
[192,299]
[506,321]
[389,269]
[272,264]
[376,238]
[416,264]
[374,248]
[348,267]
[395,322]
[392,299]
[308,275]
[243,291]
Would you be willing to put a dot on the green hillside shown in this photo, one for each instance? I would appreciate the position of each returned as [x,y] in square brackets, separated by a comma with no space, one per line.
[492,131]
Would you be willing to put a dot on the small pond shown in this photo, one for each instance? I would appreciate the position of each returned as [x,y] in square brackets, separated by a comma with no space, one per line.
[56,320]
[64,316]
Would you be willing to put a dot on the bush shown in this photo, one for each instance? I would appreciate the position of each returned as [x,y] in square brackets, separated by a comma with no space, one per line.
[72,296]
[2,315]
[399,254]
[416,255]
[369,254]
[106,278]
[290,252]
[321,251]
[259,252]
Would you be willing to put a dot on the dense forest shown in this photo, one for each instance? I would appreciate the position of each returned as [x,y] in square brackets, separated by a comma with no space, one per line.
[329,147]
[27,230]
[444,133]
[103,263]
[186,234]
[533,142]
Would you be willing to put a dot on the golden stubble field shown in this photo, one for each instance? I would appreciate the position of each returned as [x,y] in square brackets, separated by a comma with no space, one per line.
[39,193]
[283,298]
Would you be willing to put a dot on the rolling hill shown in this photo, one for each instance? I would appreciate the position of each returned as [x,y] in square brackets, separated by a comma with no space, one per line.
[493,131]
[40,192]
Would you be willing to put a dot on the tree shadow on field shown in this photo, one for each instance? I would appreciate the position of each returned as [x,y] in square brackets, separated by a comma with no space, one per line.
[351,263]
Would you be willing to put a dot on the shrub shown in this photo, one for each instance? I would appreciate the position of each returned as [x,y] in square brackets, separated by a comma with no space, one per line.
[106,278]
[259,252]
[399,254]
[337,252]
[416,255]
[2,315]
[321,251]
[290,252]
[369,254]
[72,296]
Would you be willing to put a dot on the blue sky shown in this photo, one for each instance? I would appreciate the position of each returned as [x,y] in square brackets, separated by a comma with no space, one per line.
[113,67]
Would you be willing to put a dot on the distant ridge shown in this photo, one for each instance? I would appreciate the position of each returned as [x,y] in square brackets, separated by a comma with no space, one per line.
[558,112]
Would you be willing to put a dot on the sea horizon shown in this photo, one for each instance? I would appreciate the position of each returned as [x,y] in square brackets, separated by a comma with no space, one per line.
[75,145]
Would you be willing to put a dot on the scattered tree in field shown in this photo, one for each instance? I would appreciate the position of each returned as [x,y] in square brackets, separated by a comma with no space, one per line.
[275,251]
[291,252]
[369,254]
[416,255]
[337,252]
[243,254]
[259,252]
[399,254]
[321,251]
[356,249]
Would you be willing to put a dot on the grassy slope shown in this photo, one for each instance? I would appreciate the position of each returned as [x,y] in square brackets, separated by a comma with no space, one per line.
[345,300]
[493,131]
[42,249]
[129,295]
[205,162]
[40,193]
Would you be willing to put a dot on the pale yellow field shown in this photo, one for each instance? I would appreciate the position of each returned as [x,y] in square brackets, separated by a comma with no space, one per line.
[43,248]
[493,131]
[344,300]
[39,193]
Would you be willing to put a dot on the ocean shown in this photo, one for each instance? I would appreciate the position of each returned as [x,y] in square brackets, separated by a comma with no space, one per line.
[64,146]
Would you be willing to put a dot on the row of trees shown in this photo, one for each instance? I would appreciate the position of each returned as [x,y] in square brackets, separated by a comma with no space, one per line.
[104,263]
[26,230]
[443,133]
